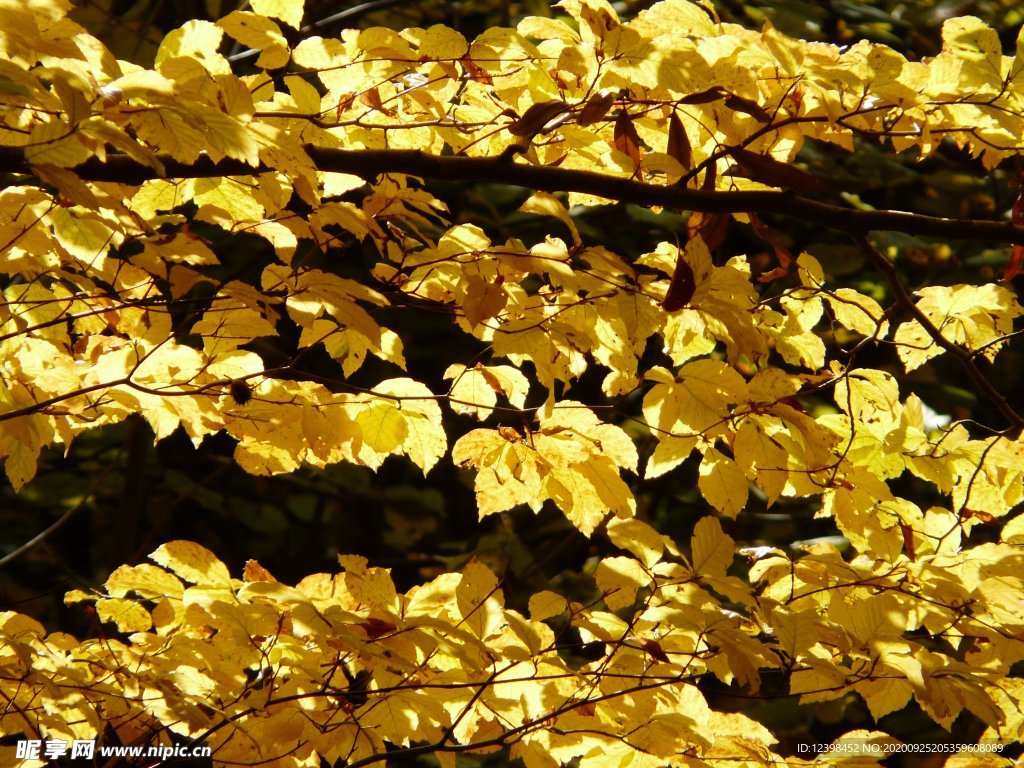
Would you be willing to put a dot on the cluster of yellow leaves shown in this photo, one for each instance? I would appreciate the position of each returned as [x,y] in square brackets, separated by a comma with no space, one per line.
[427,89]
[572,459]
[90,338]
[977,318]
[342,665]
[75,360]
[110,310]
[844,623]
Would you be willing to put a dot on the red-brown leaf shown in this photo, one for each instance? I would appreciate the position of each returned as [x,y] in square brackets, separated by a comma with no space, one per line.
[768,170]
[747,107]
[371,98]
[781,252]
[654,649]
[709,176]
[908,541]
[626,139]
[375,627]
[596,108]
[712,227]
[679,142]
[682,287]
[537,116]
[256,572]
[705,97]
[474,71]
[1016,263]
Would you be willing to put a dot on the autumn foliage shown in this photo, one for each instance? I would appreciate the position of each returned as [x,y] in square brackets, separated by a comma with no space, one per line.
[770,380]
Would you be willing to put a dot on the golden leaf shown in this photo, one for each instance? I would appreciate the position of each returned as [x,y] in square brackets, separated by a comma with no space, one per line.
[192,562]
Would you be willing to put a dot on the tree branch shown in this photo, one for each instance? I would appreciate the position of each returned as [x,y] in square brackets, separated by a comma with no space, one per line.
[368,164]
[962,356]
[39,537]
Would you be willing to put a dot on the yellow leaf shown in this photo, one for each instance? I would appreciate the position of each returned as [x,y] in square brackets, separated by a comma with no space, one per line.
[384,427]
[100,129]
[479,599]
[174,131]
[20,627]
[574,421]
[370,586]
[145,580]
[475,391]
[342,214]
[694,402]
[339,183]
[230,196]
[587,492]
[680,15]
[546,204]
[440,43]
[184,249]
[619,578]
[84,235]
[547,604]
[192,681]
[55,143]
[484,299]
[640,539]
[288,11]
[723,483]
[977,317]
[192,562]
[192,51]
[860,516]
[815,679]
[884,696]
[797,631]
[712,550]
[761,458]
[260,33]
[572,459]
[127,615]
[350,336]
[1013,531]
[860,313]
[510,472]
[794,336]
[228,136]
[668,454]
[424,441]
[977,45]
[230,323]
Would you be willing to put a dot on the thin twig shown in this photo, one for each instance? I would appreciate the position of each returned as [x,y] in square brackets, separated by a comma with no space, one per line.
[348,13]
[39,537]
[962,356]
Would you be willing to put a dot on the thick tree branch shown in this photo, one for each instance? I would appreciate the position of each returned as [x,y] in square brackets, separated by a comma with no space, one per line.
[370,163]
